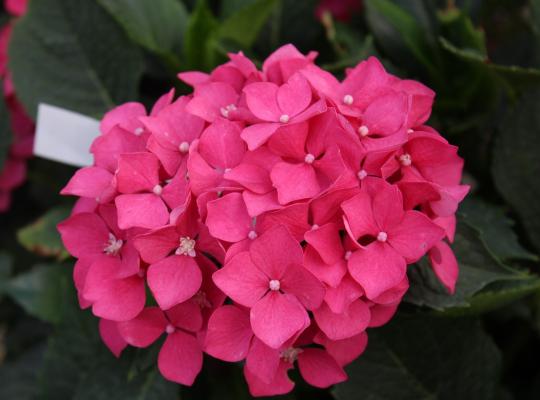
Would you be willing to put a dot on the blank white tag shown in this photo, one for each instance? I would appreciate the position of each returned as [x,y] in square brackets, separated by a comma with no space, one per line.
[65,136]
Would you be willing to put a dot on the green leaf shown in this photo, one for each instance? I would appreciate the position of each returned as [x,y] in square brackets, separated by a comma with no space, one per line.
[198,42]
[244,26]
[477,269]
[41,237]
[400,35]
[71,53]
[513,75]
[458,28]
[5,133]
[41,291]
[424,358]
[515,165]
[156,25]
[495,229]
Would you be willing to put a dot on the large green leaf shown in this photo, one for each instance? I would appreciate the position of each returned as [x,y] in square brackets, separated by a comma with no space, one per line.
[400,35]
[515,162]
[157,25]
[71,53]
[198,42]
[5,133]
[425,358]
[244,26]
[477,269]
[41,291]
[42,238]
[495,228]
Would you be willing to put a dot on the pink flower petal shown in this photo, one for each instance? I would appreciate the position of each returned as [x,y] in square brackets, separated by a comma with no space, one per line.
[186,315]
[326,240]
[276,318]
[274,251]
[354,320]
[294,96]
[174,280]
[377,268]
[108,330]
[261,98]
[414,236]
[262,361]
[229,334]
[144,329]
[330,274]
[180,359]
[220,144]
[88,182]
[280,383]
[137,172]
[344,351]
[338,298]
[319,369]
[304,285]
[241,280]
[143,210]
[294,182]
[84,235]
[228,219]
[256,135]
[444,264]
[157,244]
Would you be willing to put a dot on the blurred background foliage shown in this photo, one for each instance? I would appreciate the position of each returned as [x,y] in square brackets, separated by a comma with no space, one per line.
[482,57]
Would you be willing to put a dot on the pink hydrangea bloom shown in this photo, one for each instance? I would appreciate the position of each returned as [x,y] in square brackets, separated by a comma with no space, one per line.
[298,199]
[13,172]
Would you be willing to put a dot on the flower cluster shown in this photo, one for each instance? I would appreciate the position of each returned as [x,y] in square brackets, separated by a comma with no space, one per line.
[271,214]
[12,173]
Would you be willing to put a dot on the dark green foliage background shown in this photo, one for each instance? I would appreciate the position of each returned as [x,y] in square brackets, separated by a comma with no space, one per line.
[482,57]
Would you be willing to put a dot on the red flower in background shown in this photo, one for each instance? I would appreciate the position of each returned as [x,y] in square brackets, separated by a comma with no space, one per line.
[342,10]
[13,171]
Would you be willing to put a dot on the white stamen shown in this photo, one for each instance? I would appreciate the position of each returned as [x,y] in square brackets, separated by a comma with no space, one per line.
[291,354]
[363,130]
[274,285]
[226,170]
[348,99]
[138,131]
[348,255]
[409,131]
[382,236]
[252,235]
[227,109]
[113,246]
[314,227]
[405,159]
[361,174]
[187,247]
[183,147]
[309,158]
[284,119]
[157,190]
[170,329]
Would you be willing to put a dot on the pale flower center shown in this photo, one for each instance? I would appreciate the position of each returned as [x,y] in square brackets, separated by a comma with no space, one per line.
[405,159]
[169,329]
[274,285]
[291,354]
[361,174]
[113,246]
[363,130]
[309,158]
[252,235]
[227,109]
[348,255]
[284,118]
[138,131]
[183,147]
[157,190]
[348,99]
[187,247]
[382,236]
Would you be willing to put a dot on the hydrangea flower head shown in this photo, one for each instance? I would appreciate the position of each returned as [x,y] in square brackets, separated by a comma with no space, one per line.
[268,217]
